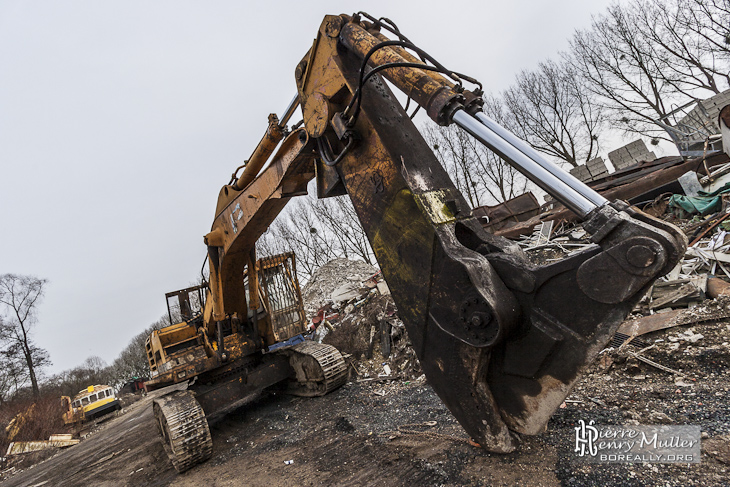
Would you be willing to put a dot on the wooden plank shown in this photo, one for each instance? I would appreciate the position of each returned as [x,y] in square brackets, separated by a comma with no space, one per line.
[661,321]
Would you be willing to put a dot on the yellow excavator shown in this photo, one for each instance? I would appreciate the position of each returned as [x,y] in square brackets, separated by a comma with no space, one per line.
[501,341]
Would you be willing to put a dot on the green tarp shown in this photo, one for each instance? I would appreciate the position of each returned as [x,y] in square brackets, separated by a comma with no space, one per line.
[704,203]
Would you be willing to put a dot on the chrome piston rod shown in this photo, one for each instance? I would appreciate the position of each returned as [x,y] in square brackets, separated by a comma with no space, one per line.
[554,169]
[531,168]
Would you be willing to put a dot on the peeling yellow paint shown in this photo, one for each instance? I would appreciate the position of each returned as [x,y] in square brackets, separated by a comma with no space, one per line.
[434,204]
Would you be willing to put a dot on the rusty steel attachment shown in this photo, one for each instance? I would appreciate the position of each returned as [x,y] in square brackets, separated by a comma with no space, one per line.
[501,341]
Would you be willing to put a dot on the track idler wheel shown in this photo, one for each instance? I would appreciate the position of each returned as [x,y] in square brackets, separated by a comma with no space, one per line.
[183,428]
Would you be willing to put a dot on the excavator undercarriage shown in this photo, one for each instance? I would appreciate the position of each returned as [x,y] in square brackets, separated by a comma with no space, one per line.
[501,341]
[307,369]
[222,375]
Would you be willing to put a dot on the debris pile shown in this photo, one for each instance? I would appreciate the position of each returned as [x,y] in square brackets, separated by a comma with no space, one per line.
[646,182]
[337,273]
[54,441]
[349,304]
[686,366]
[31,432]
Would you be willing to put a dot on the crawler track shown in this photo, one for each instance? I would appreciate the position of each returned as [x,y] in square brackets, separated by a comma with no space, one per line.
[320,369]
[184,429]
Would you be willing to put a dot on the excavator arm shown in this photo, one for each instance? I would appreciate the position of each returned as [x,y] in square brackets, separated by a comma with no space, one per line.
[501,341]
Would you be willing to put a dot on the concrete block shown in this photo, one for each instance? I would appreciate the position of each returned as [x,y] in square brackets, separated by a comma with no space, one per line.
[596,165]
[581,172]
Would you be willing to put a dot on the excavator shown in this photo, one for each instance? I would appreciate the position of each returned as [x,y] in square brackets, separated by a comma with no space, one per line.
[501,340]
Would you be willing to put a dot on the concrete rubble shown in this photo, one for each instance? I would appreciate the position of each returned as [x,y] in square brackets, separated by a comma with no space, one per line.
[350,305]
[334,275]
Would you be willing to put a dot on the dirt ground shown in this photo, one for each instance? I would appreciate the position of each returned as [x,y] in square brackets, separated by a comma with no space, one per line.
[397,432]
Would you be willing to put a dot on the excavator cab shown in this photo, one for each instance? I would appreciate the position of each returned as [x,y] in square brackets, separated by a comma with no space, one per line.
[186,303]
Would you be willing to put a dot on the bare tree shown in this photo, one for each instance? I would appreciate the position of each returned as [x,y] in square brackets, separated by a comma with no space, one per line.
[694,57]
[297,230]
[555,114]
[709,20]
[646,58]
[317,231]
[624,69]
[480,175]
[337,216]
[13,371]
[20,296]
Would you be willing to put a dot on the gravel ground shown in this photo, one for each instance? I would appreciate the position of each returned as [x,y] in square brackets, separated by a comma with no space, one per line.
[395,431]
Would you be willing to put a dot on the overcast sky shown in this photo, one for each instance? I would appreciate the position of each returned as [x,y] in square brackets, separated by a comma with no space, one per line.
[120,121]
